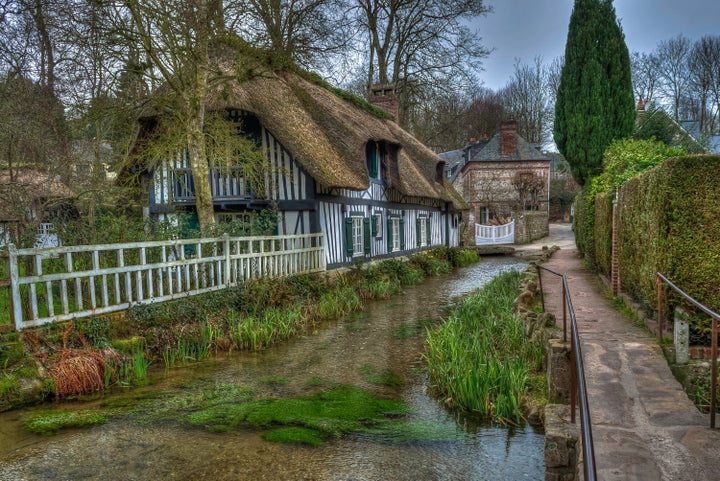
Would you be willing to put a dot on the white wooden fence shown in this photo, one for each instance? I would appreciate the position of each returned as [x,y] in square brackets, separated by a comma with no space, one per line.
[495,234]
[62,283]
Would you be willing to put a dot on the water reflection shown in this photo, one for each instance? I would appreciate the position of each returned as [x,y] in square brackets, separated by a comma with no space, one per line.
[160,447]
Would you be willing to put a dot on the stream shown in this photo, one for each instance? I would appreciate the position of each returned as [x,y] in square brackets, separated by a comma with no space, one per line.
[154,445]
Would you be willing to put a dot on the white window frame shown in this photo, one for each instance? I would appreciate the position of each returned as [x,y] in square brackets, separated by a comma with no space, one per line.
[423,231]
[395,234]
[358,236]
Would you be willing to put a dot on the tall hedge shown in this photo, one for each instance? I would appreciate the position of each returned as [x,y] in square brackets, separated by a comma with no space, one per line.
[669,222]
[584,224]
[602,230]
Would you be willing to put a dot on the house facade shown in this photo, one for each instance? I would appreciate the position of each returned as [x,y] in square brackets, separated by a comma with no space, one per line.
[32,198]
[332,166]
[502,178]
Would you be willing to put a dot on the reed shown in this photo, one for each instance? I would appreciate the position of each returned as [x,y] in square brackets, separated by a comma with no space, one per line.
[479,359]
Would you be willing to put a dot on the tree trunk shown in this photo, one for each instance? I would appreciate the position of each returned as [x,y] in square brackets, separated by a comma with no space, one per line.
[201,173]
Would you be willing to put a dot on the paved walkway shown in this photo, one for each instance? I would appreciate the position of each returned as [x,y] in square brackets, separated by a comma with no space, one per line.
[644,425]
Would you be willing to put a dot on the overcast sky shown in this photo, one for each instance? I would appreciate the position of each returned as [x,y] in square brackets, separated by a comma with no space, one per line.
[525,29]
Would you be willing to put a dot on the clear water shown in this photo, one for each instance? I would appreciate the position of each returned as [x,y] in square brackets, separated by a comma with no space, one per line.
[160,447]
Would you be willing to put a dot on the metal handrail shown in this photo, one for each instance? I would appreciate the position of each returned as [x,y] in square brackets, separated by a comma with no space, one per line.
[577,376]
[713,343]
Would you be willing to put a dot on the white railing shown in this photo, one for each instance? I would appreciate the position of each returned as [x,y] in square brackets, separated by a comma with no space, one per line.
[63,283]
[495,234]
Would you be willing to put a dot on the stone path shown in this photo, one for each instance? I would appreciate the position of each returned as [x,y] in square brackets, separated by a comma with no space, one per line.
[644,425]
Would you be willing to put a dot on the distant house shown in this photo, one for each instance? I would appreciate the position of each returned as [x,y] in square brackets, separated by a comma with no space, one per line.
[653,122]
[332,167]
[710,142]
[502,178]
[30,197]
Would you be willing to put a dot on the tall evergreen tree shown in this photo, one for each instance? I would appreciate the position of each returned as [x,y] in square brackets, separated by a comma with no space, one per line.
[595,99]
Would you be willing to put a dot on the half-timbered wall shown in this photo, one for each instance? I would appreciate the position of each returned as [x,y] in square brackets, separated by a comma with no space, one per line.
[386,222]
[286,180]
[336,223]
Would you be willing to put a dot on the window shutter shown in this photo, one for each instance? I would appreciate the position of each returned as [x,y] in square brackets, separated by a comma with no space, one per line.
[373,167]
[402,234]
[366,235]
[417,232]
[373,225]
[428,229]
[389,236]
[348,236]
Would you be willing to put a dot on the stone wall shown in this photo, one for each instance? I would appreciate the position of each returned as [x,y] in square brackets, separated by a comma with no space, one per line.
[562,439]
[530,226]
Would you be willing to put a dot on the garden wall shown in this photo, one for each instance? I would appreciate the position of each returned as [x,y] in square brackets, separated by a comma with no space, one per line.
[530,226]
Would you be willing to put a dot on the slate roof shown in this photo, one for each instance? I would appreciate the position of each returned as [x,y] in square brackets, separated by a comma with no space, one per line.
[488,151]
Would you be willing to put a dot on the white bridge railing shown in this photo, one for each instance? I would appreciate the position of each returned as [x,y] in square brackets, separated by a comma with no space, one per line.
[495,234]
[63,283]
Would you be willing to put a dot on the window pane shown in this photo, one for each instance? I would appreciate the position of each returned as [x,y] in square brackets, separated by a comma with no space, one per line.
[358,246]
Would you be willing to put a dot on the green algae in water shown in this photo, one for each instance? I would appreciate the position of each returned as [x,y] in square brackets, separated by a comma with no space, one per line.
[341,410]
[50,422]
[383,378]
[295,435]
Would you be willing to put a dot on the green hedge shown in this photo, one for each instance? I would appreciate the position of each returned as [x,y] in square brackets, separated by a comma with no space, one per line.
[584,224]
[602,232]
[669,222]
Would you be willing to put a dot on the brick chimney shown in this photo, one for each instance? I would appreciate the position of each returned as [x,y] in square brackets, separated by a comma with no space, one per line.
[508,138]
[385,96]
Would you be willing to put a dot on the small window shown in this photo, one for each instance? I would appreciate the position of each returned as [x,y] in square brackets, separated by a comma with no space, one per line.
[357,236]
[423,232]
[377,225]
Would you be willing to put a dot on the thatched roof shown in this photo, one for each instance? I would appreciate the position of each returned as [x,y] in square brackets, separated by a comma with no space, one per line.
[25,187]
[327,135]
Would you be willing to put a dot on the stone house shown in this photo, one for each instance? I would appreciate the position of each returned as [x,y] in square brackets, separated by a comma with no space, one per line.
[502,178]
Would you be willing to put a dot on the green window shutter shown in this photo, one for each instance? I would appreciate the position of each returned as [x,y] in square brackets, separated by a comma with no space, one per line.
[373,225]
[389,235]
[417,232]
[366,235]
[428,225]
[349,236]
[402,234]
[373,167]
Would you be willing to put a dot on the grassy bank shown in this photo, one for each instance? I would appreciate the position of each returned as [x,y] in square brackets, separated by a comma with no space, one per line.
[479,359]
[95,355]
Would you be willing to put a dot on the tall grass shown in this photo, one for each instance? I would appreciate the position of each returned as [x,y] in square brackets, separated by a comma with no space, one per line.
[479,359]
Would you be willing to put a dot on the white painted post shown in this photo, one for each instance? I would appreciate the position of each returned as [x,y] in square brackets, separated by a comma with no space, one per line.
[15,286]
[226,246]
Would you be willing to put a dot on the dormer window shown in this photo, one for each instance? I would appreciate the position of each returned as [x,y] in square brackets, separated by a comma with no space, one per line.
[439,172]
[372,157]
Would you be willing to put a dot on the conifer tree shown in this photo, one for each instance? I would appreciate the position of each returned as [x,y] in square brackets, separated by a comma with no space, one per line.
[595,99]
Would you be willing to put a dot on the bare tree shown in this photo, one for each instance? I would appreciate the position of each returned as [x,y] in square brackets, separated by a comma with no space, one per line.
[703,67]
[673,57]
[529,186]
[485,115]
[306,32]
[528,102]
[413,43]
[645,70]
[180,56]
